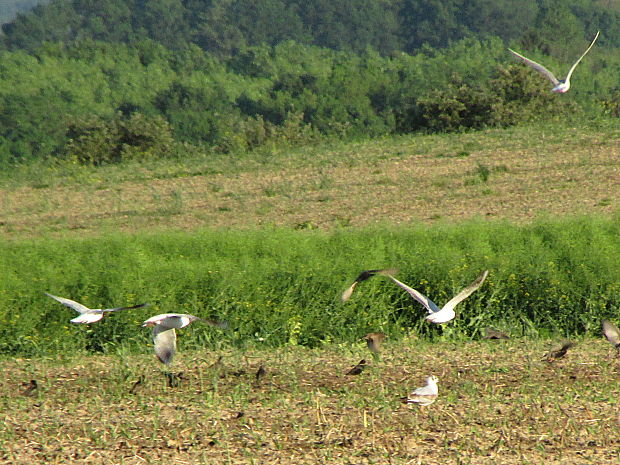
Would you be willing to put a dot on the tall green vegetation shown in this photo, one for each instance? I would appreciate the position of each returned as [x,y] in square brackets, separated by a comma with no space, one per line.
[115,102]
[283,286]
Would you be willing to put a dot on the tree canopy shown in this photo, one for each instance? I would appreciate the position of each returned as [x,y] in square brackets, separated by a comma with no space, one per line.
[138,78]
[223,27]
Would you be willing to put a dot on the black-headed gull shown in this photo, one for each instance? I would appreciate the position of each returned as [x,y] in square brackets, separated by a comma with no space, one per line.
[89,315]
[425,395]
[164,334]
[561,86]
[363,276]
[446,313]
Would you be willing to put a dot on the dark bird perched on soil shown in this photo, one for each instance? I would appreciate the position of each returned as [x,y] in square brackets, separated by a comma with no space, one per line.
[558,353]
[491,333]
[357,369]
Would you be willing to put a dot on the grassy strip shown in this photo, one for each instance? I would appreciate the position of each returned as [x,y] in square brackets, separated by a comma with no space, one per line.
[282,286]
[327,152]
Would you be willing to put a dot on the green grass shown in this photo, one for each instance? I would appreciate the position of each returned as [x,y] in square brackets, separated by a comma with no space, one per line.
[282,286]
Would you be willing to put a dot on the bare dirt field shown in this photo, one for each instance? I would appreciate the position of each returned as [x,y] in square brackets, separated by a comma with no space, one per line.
[513,174]
[499,403]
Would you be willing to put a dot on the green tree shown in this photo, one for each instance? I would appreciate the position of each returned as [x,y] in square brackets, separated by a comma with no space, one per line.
[164,21]
[431,22]
[56,21]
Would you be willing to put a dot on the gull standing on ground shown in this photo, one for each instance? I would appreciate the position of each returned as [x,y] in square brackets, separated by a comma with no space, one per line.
[89,315]
[164,334]
[611,333]
[425,395]
[363,276]
[446,313]
[561,86]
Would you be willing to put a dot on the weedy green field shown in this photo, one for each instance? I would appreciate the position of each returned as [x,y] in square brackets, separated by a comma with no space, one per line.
[268,241]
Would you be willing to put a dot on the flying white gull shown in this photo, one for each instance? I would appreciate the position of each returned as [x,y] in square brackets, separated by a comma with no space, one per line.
[561,86]
[425,395]
[89,315]
[164,334]
[446,313]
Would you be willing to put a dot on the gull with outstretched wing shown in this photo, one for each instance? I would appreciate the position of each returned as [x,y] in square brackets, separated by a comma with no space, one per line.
[561,85]
[363,276]
[446,313]
[164,334]
[89,315]
[611,333]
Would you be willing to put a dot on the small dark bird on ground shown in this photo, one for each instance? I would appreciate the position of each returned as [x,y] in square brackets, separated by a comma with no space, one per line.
[174,379]
[611,333]
[357,369]
[260,373]
[31,388]
[558,353]
[374,341]
[136,384]
[363,276]
[491,333]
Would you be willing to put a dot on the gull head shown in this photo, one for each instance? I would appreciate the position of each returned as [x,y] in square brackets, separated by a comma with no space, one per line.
[432,380]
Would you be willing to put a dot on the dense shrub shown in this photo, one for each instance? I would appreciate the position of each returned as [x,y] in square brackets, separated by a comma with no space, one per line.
[513,96]
[96,140]
[611,105]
